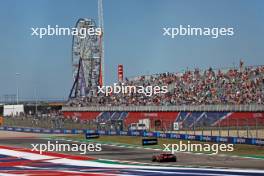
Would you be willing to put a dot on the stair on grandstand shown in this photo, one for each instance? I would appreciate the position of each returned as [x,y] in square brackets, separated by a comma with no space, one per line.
[111,116]
[199,119]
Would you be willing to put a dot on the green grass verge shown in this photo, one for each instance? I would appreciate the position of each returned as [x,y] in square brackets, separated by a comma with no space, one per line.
[239,149]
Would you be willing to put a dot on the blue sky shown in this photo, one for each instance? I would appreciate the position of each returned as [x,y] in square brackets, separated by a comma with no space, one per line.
[133,37]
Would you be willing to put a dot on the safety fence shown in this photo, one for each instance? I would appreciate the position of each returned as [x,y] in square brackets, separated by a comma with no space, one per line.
[221,139]
[208,108]
[242,127]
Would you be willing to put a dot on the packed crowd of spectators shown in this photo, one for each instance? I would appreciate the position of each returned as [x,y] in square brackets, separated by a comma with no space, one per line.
[243,85]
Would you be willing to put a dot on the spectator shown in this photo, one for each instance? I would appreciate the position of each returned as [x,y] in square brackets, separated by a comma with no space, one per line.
[232,86]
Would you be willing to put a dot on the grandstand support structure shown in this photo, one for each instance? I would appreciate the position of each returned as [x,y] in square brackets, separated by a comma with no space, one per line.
[86,61]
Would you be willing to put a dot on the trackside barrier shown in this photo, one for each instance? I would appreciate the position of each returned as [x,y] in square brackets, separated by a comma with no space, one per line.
[218,139]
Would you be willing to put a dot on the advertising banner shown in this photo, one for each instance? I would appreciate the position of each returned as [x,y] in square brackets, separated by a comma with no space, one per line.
[91,135]
[149,141]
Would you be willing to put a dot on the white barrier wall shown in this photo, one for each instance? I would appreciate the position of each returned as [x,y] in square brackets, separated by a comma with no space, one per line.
[12,110]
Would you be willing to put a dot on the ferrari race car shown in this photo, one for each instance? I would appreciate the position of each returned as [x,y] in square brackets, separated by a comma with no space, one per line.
[164,157]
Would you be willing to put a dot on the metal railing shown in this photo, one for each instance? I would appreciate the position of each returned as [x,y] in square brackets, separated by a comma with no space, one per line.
[236,108]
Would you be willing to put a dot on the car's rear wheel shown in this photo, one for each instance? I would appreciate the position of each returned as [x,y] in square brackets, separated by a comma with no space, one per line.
[154,159]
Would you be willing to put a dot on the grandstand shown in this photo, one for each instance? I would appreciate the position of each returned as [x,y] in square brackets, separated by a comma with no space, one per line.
[209,99]
[233,86]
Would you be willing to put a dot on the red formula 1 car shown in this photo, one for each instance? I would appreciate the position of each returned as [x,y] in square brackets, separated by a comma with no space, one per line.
[164,157]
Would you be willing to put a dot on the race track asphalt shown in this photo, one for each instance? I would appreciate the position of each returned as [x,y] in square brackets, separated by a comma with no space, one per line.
[111,152]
